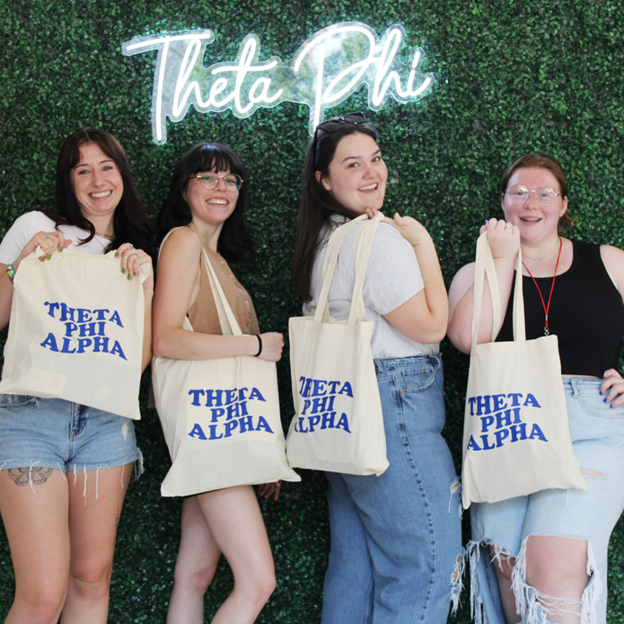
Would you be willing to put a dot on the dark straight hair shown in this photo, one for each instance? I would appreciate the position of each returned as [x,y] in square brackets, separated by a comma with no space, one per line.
[235,240]
[318,204]
[130,222]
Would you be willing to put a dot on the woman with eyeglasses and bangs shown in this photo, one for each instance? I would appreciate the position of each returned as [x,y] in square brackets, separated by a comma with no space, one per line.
[204,211]
[395,553]
[543,557]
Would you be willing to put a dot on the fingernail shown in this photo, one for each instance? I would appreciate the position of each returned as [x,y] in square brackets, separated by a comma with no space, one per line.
[485,222]
[49,256]
[123,270]
[129,276]
[600,392]
[116,254]
[611,406]
[604,400]
[61,249]
[42,258]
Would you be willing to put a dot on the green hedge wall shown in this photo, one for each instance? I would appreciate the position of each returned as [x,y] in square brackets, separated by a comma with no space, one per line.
[512,77]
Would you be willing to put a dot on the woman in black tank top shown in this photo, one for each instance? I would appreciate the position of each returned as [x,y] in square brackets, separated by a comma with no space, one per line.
[552,544]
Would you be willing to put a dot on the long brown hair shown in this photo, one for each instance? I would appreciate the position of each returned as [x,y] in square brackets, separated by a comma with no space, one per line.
[318,204]
[130,222]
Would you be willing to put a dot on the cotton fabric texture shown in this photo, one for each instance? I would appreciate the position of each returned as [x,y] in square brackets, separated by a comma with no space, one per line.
[220,417]
[516,435]
[76,332]
[338,422]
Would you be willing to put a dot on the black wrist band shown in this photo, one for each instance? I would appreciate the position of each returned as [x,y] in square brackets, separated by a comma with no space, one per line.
[259,345]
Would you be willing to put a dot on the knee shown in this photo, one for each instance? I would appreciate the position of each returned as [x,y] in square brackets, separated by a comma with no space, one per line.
[91,584]
[195,578]
[42,603]
[260,586]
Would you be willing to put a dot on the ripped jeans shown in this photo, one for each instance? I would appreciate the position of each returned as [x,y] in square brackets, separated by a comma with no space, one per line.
[597,433]
[395,539]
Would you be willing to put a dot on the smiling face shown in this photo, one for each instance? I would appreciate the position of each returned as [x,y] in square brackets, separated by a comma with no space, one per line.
[213,206]
[535,220]
[97,182]
[357,174]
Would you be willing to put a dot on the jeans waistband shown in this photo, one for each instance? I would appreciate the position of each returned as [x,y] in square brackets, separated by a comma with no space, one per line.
[384,365]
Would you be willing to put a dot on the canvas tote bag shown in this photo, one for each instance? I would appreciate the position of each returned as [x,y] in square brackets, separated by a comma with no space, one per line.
[76,331]
[516,434]
[220,417]
[338,423]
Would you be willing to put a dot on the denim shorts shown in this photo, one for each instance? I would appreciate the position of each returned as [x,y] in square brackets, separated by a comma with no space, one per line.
[58,434]
[597,433]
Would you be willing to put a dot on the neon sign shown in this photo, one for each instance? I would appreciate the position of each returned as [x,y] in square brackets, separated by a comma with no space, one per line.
[326,69]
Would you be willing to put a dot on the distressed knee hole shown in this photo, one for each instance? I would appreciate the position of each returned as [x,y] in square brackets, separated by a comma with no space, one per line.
[593,473]
[457,581]
[82,585]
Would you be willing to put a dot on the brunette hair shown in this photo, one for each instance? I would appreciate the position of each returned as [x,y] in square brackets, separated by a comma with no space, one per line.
[317,203]
[539,161]
[235,240]
[130,222]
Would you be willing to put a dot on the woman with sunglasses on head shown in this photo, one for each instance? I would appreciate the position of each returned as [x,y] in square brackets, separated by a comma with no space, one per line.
[65,466]
[395,538]
[543,557]
[205,211]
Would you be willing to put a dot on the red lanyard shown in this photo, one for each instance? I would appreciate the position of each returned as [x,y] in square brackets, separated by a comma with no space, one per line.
[546,307]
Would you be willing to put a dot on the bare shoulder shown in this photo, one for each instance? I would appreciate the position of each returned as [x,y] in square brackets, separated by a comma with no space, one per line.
[613,259]
[461,284]
[181,249]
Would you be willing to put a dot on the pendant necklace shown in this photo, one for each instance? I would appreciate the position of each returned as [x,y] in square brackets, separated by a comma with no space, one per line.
[546,307]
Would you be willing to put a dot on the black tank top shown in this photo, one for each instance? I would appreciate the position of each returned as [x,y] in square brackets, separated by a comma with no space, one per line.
[586,314]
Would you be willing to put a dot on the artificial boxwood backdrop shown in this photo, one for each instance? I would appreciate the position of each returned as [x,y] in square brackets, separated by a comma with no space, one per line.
[511,77]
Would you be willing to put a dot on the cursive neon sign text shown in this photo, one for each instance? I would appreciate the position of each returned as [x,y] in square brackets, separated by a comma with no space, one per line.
[326,69]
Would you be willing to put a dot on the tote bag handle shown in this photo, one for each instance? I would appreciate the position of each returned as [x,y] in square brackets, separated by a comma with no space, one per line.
[484,267]
[362,249]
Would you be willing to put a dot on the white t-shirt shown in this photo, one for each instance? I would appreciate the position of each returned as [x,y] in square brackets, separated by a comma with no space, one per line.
[392,278]
[26,226]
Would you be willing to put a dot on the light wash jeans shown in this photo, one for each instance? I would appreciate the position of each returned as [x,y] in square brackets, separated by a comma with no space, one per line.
[396,555]
[597,433]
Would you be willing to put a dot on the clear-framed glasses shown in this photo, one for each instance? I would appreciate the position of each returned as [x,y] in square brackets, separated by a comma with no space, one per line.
[331,125]
[210,181]
[520,194]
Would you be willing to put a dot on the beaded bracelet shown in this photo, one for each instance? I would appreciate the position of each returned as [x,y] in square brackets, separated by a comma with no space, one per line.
[10,271]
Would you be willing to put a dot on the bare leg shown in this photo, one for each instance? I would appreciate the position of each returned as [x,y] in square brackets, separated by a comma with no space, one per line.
[557,568]
[195,567]
[34,505]
[504,566]
[93,530]
[236,525]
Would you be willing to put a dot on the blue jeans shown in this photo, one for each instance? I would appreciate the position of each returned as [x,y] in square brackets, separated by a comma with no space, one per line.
[597,433]
[396,539]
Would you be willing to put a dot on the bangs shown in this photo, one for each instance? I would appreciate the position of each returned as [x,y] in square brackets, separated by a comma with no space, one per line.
[212,158]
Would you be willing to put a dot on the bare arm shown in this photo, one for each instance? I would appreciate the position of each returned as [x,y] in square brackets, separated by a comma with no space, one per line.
[504,243]
[177,271]
[424,317]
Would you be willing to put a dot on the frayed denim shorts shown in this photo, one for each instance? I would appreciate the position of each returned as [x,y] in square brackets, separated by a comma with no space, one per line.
[597,433]
[58,434]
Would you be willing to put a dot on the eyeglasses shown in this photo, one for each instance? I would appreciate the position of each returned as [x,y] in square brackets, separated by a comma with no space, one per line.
[331,125]
[520,194]
[232,181]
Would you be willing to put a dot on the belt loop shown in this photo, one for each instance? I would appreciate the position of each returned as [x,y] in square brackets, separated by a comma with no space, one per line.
[378,367]
[436,361]
[575,388]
